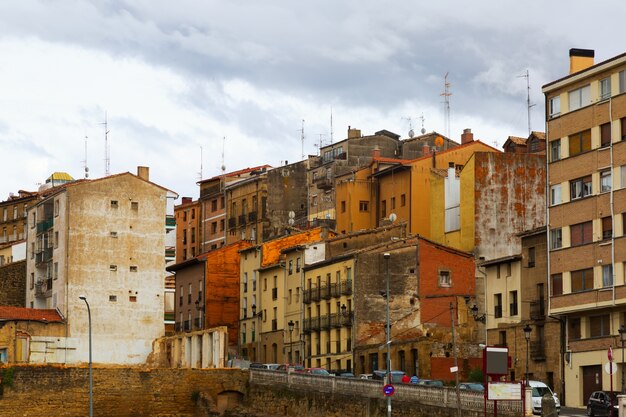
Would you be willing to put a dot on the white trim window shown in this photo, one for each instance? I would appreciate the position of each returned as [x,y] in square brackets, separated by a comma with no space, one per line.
[622,81]
[555,150]
[579,98]
[556,238]
[605,88]
[555,106]
[555,194]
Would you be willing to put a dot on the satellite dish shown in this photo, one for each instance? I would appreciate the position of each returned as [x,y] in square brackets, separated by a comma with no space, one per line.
[411,133]
[292,214]
[439,141]
[393,217]
[423,131]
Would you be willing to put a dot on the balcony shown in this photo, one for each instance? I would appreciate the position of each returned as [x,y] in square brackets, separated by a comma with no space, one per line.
[311,295]
[187,325]
[242,220]
[537,350]
[252,217]
[45,225]
[306,297]
[178,327]
[43,256]
[232,222]
[335,290]
[43,288]
[323,183]
[347,319]
[325,292]
[538,309]
[197,323]
[346,287]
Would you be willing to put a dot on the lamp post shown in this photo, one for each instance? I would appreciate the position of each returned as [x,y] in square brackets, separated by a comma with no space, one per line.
[259,316]
[290,324]
[84,298]
[527,331]
[387,255]
[622,331]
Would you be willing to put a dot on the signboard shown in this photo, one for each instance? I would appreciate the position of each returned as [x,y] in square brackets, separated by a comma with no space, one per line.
[496,360]
[609,354]
[611,370]
[504,391]
[388,390]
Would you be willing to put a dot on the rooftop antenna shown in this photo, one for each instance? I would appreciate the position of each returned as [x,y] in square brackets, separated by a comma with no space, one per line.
[423,130]
[223,167]
[85,161]
[411,132]
[446,106]
[302,138]
[331,125]
[527,76]
[107,155]
[200,173]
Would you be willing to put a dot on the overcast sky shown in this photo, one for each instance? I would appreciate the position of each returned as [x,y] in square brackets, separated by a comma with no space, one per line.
[175,77]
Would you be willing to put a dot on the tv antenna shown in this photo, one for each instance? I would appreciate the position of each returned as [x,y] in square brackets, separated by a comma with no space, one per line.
[200,173]
[107,152]
[302,138]
[528,105]
[446,106]
[331,125]
[411,132]
[423,130]
[223,167]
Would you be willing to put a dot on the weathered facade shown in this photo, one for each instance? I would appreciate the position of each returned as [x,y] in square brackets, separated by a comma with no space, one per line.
[586,128]
[13,284]
[104,240]
[189,284]
[246,207]
[188,221]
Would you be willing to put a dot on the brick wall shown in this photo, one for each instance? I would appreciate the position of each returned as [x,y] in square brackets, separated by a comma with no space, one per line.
[13,284]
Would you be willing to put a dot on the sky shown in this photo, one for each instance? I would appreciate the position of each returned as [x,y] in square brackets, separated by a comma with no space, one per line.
[188,86]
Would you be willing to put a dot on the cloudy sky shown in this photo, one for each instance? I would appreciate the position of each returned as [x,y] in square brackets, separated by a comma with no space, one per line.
[176,78]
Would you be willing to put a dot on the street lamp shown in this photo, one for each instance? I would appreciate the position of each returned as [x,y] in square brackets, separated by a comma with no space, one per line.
[259,316]
[290,324]
[84,298]
[622,331]
[527,331]
[387,255]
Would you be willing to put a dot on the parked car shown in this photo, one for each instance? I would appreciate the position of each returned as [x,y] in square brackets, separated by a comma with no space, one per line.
[472,386]
[290,368]
[266,366]
[347,375]
[366,376]
[599,404]
[396,376]
[431,382]
[317,371]
[539,390]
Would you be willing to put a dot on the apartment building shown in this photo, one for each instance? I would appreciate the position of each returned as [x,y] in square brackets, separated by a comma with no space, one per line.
[102,240]
[188,240]
[586,132]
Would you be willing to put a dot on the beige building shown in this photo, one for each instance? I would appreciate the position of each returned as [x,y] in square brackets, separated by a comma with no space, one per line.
[586,128]
[104,240]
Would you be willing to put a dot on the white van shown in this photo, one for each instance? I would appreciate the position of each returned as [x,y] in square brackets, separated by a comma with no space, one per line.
[539,390]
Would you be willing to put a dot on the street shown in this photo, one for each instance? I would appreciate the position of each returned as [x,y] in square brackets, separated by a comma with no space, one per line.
[571,412]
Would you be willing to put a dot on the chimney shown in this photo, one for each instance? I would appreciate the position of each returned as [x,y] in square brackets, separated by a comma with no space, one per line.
[425,149]
[143,173]
[467,136]
[186,200]
[451,170]
[376,152]
[353,133]
[580,59]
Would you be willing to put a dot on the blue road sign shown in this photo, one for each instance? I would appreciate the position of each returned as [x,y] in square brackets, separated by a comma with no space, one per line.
[388,390]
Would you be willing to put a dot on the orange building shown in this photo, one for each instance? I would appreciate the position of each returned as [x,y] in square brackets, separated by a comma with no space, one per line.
[187,216]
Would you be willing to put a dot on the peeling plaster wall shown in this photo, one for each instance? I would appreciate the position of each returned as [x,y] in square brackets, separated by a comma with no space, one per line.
[509,194]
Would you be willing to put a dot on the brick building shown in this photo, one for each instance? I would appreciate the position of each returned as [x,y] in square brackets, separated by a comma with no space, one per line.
[586,128]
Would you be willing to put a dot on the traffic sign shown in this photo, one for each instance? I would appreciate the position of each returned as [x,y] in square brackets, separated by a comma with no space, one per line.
[610,354]
[388,390]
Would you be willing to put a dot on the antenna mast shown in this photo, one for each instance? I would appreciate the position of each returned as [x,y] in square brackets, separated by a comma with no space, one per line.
[200,163]
[107,155]
[223,167]
[85,161]
[446,107]
[331,126]
[527,76]
[302,138]
[423,120]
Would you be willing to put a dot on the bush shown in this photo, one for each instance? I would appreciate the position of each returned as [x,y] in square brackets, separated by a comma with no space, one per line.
[476,375]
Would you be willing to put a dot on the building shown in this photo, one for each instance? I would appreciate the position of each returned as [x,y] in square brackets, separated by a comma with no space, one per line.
[13,216]
[188,239]
[102,240]
[586,128]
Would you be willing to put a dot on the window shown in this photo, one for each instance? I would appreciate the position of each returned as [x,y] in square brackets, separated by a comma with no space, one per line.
[607,276]
[132,298]
[622,172]
[403,200]
[112,267]
[193,213]
[502,338]
[580,188]
[497,305]
[56,271]
[297,264]
[513,303]
[579,142]
[383,208]
[133,268]
[531,257]
[605,135]
[393,203]
[555,194]
[213,227]
[113,234]
[32,280]
[343,206]
[573,328]
[579,98]
[56,208]
[214,204]
[245,282]
[605,181]
[363,206]
[114,204]
[555,106]
[581,233]
[607,227]
[556,287]
[113,298]
[444,279]
[14,212]
[622,81]
[134,205]
[582,280]
[599,326]
[290,268]
[56,239]
[605,88]
[623,127]
[555,150]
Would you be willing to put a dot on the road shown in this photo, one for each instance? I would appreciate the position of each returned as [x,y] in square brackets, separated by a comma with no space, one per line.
[572,412]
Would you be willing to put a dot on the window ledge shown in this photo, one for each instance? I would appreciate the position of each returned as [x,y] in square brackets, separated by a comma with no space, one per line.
[604,243]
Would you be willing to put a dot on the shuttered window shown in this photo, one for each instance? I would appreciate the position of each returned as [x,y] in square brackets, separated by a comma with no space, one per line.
[580,142]
[581,233]
[582,280]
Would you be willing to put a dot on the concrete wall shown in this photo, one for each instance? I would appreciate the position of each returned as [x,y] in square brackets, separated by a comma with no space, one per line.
[13,284]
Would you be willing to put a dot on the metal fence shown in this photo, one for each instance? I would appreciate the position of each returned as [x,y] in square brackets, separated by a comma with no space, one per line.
[435,396]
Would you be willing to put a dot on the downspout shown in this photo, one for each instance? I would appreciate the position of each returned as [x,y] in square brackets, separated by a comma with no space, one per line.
[611,203]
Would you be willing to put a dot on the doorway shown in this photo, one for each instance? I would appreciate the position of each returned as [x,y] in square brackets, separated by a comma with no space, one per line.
[592,381]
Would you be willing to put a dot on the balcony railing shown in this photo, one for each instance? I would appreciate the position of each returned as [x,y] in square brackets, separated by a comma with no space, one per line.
[306,297]
[187,325]
[346,287]
[252,216]
[242,219]
[44,255]
[232,222]
[537,350]
[311,295]
[45,225]
[538,309]
[197,323]
[323,183]
[325,292]
[335,289]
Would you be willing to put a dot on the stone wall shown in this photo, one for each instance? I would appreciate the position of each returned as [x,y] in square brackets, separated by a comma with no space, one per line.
[122,392]
[13,284]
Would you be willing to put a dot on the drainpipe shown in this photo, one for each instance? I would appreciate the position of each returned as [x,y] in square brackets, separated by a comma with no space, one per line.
[611,203]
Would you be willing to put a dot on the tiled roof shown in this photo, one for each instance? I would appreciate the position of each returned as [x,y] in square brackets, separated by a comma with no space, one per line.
[517,140]
[539,135]
[29,314]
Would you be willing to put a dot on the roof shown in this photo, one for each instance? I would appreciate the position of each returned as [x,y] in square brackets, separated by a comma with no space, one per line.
[517,140]
[8,313]
[60,176]
[545,87]
[538,135]
[235,173]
